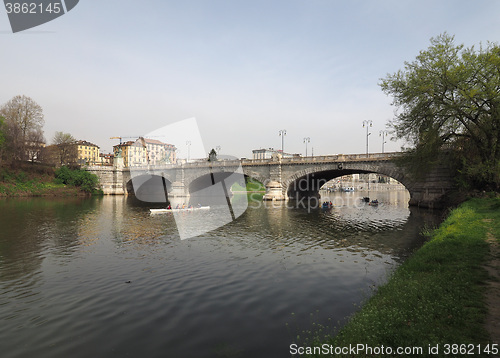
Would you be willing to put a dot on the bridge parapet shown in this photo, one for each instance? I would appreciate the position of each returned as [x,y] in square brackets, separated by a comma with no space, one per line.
[325,159]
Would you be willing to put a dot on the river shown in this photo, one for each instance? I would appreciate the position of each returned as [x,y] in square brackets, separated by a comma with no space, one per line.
[101,277]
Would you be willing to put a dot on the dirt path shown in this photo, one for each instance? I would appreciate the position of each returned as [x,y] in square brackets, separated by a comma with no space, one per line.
[493,290]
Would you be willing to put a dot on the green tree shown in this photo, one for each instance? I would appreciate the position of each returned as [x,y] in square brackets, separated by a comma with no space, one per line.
[449,97]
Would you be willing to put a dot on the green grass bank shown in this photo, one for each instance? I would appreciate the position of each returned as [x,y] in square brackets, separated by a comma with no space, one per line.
[436,298]
[32,179]
[251,186]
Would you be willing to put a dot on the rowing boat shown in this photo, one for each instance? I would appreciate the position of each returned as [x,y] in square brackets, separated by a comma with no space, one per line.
[158,211]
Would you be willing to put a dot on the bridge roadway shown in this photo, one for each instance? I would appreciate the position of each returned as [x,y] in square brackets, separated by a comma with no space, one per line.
[284,178]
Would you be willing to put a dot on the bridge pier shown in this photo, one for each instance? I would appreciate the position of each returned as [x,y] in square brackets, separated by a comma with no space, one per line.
[274,191]
[179,191]
[274,187]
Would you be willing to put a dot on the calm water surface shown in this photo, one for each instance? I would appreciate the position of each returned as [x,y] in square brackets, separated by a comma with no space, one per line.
[103,278]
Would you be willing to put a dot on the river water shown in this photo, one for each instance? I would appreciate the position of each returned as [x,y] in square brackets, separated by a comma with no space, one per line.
[102,277]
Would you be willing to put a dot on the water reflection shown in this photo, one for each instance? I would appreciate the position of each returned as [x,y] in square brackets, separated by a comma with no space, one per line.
[79,277]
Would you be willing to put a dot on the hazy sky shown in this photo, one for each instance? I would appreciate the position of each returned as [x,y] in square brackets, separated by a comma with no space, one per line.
[244,69]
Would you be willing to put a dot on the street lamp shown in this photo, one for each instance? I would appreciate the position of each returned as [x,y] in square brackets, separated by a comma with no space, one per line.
[307,140]
[282,133]
[188,143]
[367,123]
[383,134]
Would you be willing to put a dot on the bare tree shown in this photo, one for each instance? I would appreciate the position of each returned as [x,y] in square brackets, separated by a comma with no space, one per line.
[23,116]
[66,147]
[35,142]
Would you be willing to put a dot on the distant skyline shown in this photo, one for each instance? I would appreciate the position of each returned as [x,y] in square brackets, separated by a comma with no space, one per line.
[244,69]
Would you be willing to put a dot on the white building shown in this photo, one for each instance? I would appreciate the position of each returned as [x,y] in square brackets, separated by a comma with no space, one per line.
[269,152]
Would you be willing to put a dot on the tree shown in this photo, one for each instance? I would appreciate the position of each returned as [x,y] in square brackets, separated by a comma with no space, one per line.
[449,97]
[35,142]
[23,116]
[2,137]
[65,147]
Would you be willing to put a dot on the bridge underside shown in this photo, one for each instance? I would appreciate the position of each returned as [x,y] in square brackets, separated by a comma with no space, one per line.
[149,188]
[308,186]
[209,189]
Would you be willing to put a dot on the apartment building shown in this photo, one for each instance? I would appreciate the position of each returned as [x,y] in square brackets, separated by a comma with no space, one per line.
[145,151]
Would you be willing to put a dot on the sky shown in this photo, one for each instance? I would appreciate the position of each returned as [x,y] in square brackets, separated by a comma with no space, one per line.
[244,69]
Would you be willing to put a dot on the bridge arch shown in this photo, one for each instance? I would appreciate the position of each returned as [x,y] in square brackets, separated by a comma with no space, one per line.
[213,188]
[149,188]
[308,181]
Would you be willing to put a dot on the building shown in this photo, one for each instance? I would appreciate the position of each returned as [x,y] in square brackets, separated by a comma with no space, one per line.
[79,152]
[87,153]
[145,151]
[34,150]
[159,152]
[106,158]
[269,152]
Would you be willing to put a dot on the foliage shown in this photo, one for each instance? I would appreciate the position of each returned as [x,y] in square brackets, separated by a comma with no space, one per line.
[449,98]
[436,296]
[62,138]
[29,180]
[252,185]
[86,181]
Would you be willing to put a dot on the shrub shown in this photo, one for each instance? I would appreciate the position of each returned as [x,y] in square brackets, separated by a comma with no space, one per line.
[86,181]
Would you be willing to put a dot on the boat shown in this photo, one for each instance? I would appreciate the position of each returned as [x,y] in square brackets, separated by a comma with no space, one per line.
[175,210]
[327,205]
[373,202]
[348,189]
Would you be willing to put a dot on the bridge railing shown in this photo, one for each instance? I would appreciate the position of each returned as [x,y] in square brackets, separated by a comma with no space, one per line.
[295,160]
[326,158]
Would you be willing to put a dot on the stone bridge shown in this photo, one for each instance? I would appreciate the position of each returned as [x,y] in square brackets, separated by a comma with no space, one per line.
[284,178]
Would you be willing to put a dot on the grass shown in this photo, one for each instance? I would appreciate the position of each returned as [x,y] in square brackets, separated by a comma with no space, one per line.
[35,180]
[251,186]
[436,296]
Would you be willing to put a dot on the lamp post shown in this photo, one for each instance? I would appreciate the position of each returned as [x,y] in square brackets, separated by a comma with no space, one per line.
[383,134]
[307,140]
[367,123]
[188,143]
[282,133]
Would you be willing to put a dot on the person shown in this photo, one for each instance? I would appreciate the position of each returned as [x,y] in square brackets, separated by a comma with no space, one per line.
[177,207]
[169,207]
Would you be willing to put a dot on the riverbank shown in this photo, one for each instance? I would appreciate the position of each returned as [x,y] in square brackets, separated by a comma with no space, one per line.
[27,179]
[440,296]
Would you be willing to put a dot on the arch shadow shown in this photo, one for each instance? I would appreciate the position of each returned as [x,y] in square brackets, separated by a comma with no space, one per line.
[149,188]
[214,188]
